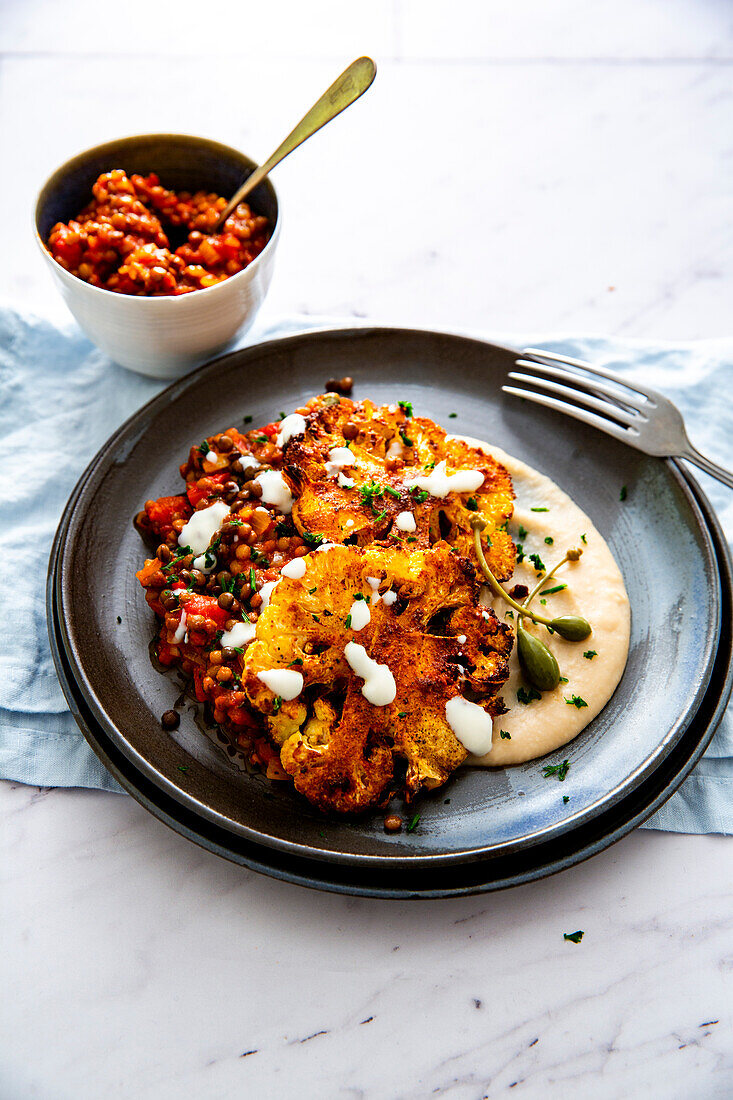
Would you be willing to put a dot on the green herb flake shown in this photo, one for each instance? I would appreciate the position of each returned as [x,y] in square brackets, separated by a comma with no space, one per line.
[413,824]
[505,735]
[538,563]
[590,654]
[392,492]
[252,579]
[420,495]
[181,768]
[348,622]
[281,416]
[430,464]
[472,504]
[624,493]
[402,714]
[549,540]
[204,448]
[313,589]
[297,661]
[412,538]
[584,540]
[566,799]
[552,591]
[315,619]
[574,937]
[261,439]
[544,603]
[247,420]
[576,701]
[523,532]
[520,553]
[525,696]
[406,407]
[277,703]
[539,509]
[312,539]
[509,615]
[559,770]
[452,416]
[407,442]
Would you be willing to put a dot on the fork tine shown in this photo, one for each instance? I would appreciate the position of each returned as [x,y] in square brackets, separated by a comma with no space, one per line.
[603,407]
[582,365]
[607,426]
[615,392]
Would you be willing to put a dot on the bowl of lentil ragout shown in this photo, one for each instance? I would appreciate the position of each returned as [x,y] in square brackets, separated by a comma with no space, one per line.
[127,231]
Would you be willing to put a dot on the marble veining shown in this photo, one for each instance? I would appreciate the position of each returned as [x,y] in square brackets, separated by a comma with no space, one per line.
[525,168]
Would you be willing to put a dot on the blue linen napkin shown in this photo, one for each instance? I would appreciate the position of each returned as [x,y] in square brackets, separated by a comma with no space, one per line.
[60,401]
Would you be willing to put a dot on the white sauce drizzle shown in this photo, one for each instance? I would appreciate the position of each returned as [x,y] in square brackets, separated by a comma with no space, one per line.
[338,457]
[470,723]
[285,682]
[200,563]
[290,426]
[379,687]
[327,546]
[212,456]
[240,635]
[461,639]
[360,614]
[439,483]
[267,590]
[275,490]
[295,569]
[389,598]
[202,526]
[180,634]
[406,522]
[394,450]
[345,482]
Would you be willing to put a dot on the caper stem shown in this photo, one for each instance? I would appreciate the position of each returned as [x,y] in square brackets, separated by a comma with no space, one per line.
[494,584]
[543,580]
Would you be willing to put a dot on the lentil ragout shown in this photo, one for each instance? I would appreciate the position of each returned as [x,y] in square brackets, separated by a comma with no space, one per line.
[281,670]
[118,242]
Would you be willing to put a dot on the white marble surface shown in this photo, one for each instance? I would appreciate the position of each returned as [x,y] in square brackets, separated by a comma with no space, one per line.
[515,167]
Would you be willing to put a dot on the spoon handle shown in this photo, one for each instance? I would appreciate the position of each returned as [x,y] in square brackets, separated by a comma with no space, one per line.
[352,83]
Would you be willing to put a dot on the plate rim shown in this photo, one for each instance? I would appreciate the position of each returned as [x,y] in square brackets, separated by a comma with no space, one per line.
[300,876]
[166,397]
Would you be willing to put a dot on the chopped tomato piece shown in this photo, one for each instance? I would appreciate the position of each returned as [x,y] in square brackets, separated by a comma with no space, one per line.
[196,492]
[151,567]
[206,606]
[162,512]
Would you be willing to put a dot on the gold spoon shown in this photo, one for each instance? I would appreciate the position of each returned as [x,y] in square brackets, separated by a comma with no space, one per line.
[352,83]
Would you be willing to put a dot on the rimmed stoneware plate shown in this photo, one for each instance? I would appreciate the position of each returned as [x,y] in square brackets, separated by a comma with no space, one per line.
[659,536]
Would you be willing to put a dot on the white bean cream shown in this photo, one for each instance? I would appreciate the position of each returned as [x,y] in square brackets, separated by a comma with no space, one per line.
[595,589]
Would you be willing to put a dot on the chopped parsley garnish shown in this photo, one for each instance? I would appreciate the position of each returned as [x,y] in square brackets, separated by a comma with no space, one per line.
[228,586]
[283,528]
[406,407]
[238,649]
[560,770]
[261,439]
[281,416]
[539,509]
[413,824]
[379,517]
[181,768]
[407,442]
[430,464]
[313,589]
[419,494]
[523,532]
[311,539]
[543,602]
[359,596]
[564,680]
[506,736]
[247,420]
[520,553]
[252,579]
[452,416]
[348,622]
[624,493]
[277,703]
[566,798]
[538,563]
[315,619]
[549,540]
[576,701]
[574,937]
[297,661]
[584,540]
[509,615]
[402,714]
[552,591]
[472,504]
[204,447]
[590,654]
[392,492]
[527,695]
[369,492]
[412,538]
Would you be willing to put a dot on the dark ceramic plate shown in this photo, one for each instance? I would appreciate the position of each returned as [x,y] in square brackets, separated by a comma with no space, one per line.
[658,535]
[421,881]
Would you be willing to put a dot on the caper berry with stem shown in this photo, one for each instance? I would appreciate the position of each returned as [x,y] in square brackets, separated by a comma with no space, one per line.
[537,661]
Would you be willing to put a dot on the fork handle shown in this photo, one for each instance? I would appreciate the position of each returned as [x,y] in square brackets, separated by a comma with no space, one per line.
[719,472]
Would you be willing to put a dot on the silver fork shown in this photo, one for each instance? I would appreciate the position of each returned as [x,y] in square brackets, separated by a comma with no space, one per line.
[635,414]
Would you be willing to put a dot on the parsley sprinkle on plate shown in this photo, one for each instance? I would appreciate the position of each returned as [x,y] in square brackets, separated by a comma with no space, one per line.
[574,937]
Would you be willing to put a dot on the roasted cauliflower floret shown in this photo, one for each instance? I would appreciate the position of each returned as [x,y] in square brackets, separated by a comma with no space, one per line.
[416,614]
[360,466]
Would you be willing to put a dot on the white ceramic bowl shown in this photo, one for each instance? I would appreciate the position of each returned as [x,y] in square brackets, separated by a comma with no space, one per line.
[166,336]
